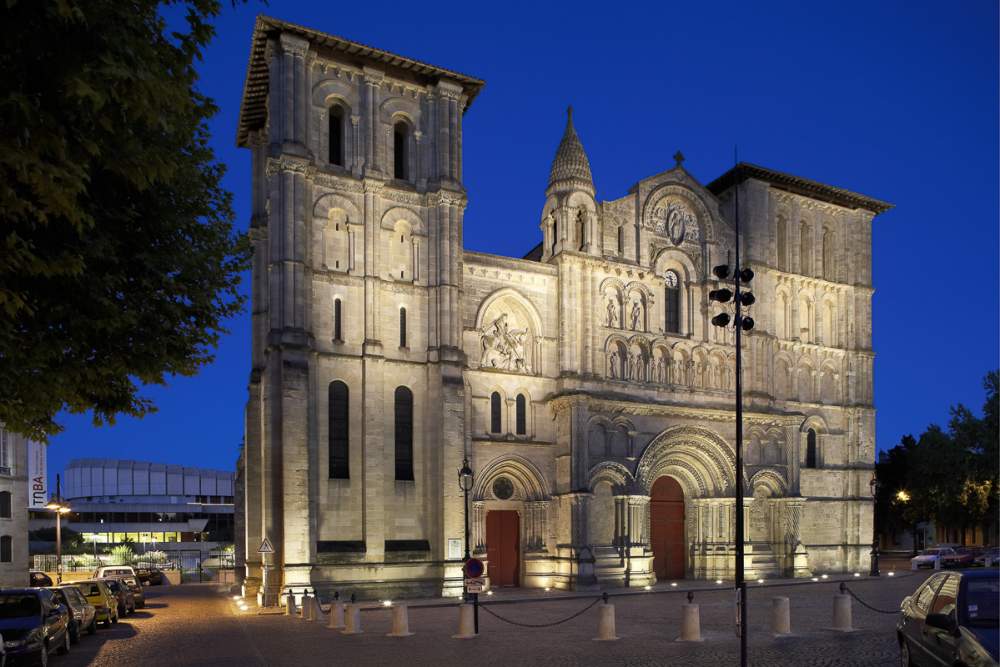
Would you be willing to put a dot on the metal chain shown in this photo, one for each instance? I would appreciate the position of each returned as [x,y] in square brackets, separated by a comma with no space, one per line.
[865,604]
[538,625]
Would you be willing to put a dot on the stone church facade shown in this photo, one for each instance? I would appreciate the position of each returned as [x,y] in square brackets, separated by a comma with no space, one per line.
[584,382]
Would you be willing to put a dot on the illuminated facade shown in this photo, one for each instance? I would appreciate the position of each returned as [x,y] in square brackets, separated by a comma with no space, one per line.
[583,382]
[14,499]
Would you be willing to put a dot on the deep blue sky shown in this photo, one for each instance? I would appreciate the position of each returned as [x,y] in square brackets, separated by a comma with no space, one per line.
[894,100]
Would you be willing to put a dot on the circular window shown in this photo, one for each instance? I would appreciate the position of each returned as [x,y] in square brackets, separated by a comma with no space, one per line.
[503,489]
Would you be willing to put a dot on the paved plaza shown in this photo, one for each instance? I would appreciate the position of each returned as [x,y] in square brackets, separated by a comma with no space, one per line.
[200,625]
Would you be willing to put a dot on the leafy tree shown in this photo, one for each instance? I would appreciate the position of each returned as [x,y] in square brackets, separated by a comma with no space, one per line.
[122,555]
[119,261]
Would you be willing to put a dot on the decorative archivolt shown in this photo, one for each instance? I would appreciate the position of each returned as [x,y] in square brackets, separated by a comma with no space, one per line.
[330,91]
[678,213]
[392,218]
[616,474]
[325,204]
[705,456]
[771,480]
[509,328]
[675,259]
[529,483]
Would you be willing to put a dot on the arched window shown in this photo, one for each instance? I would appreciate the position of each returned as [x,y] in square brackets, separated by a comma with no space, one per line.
[811,449]
[339,425]
[4,504]
[621,240]
[337,331]
[782,243]
[404,434]
[400,149]
[521,419]
[6,549]
[402,327]
[672,302]
[337,135]
[805,250]
[581,230]
[555,232]
[495,413]
[829,270]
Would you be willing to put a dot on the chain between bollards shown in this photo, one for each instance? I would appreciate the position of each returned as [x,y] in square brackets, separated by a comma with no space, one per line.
[602,598]
[845,589]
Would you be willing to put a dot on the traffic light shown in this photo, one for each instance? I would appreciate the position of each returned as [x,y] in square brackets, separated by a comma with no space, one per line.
[747,299]
[721,295]
[721,272]
[746,275]
[721,320]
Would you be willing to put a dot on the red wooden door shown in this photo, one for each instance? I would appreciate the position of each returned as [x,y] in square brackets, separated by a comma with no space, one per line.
[503,547]
[666,528]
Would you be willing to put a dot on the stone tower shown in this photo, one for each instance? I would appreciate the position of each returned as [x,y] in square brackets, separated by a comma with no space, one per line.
[358,205]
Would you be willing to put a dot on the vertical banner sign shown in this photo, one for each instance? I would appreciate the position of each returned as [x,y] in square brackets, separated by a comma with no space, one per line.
[37,476]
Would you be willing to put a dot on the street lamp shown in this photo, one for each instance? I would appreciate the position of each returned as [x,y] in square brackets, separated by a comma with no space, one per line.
[57,505]
[465,482]
[741,300]
[874,484]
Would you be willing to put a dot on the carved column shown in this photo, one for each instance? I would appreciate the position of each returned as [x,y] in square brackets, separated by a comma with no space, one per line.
[373,84]
[478,528]
[638,519]
[538,511]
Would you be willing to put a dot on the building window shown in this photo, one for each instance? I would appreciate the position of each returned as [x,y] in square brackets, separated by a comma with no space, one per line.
[402,327]
[339,425]
[6,549]
[400,138]
[555,233]
[673,302]
[4,504]
[404,434]
[521,418]
[495,413]
[811,449]
[782,243]
[829,270]
[6,443]
[621,240]
[337,136]
[805,250]
[337,331]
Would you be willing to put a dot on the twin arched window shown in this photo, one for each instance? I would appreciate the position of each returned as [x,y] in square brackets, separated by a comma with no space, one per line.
[520,414]
[404,434]
[339,424]
[811,449]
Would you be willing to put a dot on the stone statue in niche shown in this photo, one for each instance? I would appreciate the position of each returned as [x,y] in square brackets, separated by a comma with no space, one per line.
[503,347]
[758,515]
[636,315]
[613,361]
[612,313]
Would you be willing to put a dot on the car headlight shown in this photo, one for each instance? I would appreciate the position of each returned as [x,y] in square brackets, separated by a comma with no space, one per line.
[15,643]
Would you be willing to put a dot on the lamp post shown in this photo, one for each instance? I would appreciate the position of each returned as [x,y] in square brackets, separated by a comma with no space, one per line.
[465,482]
[903,497]
[874,484]
[59,507]
[741,299]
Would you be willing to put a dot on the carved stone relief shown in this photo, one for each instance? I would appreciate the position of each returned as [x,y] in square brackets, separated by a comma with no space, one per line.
[503,347]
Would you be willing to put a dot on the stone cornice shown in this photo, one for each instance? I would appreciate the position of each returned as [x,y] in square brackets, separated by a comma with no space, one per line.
[510,263]
[560,403]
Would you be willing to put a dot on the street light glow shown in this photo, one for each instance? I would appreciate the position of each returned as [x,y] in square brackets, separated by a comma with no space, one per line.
[902,496]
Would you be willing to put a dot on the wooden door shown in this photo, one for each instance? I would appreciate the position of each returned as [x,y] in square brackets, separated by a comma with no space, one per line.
[666,529]
[503,547]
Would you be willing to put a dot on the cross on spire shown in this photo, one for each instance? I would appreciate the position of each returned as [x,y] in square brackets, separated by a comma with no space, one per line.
[679,158]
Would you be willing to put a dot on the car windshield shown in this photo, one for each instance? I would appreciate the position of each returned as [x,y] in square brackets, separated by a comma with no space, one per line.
[981,601]
[90,589]
[19,606]
[113,585]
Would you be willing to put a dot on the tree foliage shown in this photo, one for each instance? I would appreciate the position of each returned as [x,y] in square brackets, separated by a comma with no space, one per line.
[948,476]
[119,262]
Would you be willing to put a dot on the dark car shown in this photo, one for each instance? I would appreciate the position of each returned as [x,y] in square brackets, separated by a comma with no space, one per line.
[82,615]
[123,594]
[40,579]
[137,594]
[32,624]
[964,557]
[951,619]
[149,575]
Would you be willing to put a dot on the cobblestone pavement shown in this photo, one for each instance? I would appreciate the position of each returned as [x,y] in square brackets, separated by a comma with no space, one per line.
[198,625]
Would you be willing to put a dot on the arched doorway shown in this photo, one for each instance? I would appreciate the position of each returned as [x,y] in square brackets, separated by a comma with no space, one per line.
[503,547]
[666,528]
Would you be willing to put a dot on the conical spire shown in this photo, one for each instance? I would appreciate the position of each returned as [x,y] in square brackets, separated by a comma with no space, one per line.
[571,168]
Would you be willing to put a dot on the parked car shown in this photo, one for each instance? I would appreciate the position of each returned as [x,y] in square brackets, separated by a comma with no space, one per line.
[123,596]
[137,595]
[82,615]
[988,558]
[33,624]
[38,578]
[105,602]
[964,557]
[928,557]
[114,571]
[951,619]
[149,575]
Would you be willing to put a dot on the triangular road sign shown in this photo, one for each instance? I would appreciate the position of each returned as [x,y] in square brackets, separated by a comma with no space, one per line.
[266,547]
